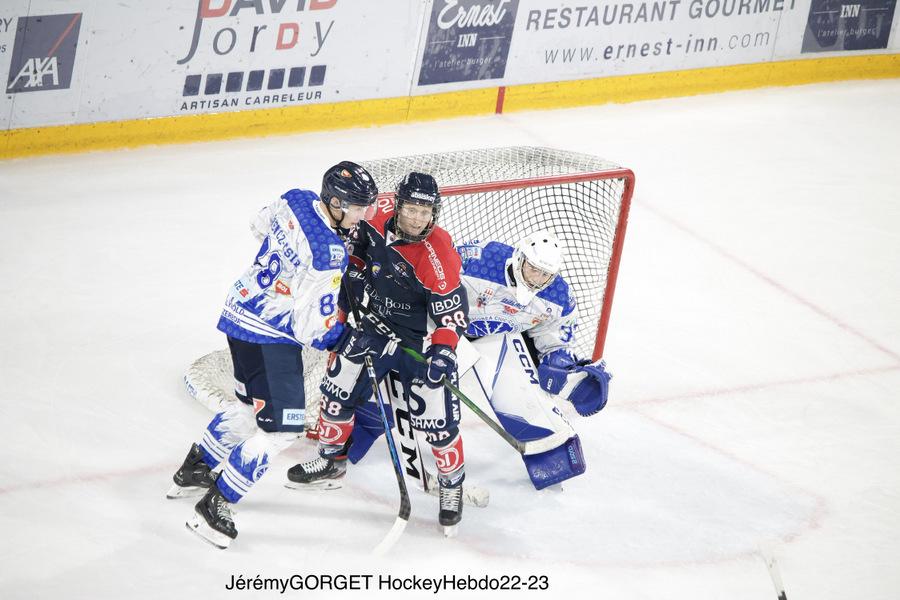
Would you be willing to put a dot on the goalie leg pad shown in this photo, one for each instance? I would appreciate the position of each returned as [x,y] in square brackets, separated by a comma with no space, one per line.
[367,429]
[556,465]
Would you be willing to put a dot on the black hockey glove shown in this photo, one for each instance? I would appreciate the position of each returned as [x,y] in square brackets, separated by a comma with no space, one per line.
[354,344]
[441,363]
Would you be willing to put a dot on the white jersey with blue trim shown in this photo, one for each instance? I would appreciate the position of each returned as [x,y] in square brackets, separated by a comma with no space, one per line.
[289,294]
[549,319]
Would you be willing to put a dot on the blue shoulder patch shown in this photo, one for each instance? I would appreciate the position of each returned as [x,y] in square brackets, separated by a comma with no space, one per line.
[491,265]
[559,293]
[327,249]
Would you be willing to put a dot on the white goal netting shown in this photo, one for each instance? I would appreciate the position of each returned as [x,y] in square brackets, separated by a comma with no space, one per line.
[500,194]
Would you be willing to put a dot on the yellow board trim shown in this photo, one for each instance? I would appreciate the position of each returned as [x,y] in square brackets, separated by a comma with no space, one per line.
[652,86]
[319,117]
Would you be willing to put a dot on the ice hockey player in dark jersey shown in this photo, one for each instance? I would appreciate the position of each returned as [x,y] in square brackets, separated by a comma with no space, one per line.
[407,267]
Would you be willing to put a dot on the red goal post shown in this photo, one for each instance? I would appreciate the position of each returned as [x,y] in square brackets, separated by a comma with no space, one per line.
[503,194]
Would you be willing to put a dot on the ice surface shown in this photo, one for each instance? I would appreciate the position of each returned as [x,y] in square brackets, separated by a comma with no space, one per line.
[754,341]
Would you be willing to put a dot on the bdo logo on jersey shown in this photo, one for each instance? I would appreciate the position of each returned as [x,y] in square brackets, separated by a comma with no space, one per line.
[44,53]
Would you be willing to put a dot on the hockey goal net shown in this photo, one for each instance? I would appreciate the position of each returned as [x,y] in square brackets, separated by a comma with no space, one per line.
[499,194]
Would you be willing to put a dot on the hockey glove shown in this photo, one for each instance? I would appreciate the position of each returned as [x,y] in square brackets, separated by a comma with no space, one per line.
[554,370]
[353,344]
[333,337]
[441,363]
[590,388]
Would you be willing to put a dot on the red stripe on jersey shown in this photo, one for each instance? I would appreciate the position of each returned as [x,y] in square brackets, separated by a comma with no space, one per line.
[434,260]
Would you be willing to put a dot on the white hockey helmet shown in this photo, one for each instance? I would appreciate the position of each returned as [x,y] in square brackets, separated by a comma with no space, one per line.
[544,251]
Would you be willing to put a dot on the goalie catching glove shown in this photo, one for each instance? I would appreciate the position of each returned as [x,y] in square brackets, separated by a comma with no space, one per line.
[584,384]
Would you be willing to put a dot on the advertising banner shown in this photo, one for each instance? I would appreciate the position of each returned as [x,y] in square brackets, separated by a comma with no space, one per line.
[470,41]
[79,61]
[861,25]
[84,61]
[467,40]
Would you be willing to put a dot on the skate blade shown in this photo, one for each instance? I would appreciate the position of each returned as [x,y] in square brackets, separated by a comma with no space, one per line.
[450,531]
[198,525]
[190,491]
[325,484]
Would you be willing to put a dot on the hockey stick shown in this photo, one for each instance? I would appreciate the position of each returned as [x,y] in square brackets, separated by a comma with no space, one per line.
[405,508]
[520,446]
[533,447]
[473,495]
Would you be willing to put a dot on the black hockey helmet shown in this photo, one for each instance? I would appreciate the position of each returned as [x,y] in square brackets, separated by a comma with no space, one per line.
[352,185]
[421,189]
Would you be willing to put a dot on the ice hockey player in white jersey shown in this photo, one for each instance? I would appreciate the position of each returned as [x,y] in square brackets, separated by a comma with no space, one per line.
[522,322]
[283,304]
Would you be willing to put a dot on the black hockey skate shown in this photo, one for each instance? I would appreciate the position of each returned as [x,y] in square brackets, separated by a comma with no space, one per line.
[318,474]
[451,509]
[212,519]
[193,477]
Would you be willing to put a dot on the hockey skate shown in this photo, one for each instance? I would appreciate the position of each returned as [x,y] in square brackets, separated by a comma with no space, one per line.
[451,509]
[193,477]
[212,519]
[318,474]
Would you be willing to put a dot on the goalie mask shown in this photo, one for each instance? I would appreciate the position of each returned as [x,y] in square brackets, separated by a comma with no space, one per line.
[417,205]
[536,262]
[355,191]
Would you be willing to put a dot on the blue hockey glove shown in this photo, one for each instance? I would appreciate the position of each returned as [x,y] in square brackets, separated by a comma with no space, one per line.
[441,363]
[554,370]
[589,395]
[334,336]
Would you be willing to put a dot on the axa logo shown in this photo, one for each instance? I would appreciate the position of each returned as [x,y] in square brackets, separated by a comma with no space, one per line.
[35,71]
[44,53]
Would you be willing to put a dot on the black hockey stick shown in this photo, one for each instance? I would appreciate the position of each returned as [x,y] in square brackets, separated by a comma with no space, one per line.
[408,444]
[405,508]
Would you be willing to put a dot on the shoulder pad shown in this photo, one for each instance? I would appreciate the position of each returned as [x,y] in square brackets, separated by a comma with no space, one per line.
[559,293]
[491,262]
[326,247]
[441,275]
